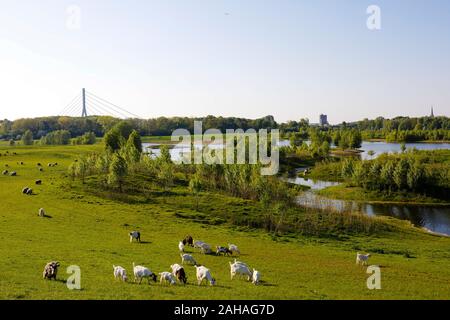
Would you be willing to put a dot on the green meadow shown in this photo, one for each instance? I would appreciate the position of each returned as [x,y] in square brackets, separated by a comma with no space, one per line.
[88,228]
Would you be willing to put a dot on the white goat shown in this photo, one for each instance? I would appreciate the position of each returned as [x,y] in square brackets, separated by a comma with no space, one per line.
[141,272]
[240,262]
[256,277]
[198,244]
[203,273]
[237,269]
[187,258]
[167,277]
[135,235]
[362,259]
[175,267]
[41,213]
[120,273]
[205,248]
[234,249]
[181,246]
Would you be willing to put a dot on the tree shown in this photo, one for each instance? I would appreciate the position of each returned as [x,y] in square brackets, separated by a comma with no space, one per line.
[399,174]
[165,175]
[27,138]
[112,140]
[116,137]
[135,139]
[165,154]
[195,186]
[325,149]
[117,171]
[81,169]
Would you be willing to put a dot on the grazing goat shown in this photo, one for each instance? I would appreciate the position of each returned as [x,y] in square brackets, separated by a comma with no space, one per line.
[39,165]
[237,269]
[224,251]
[38,182]
[5,172]
[167,277]
[41,213]
[13,174]
[120,273]
[362,259]
[25,190]
[141,272]
[203,273]
[135,235]
[256,278]
[189,241]
[181,246]
[187,258]
[234,249]
[51,270]
[205,248]
[179,273]
[198,244]
[240,262]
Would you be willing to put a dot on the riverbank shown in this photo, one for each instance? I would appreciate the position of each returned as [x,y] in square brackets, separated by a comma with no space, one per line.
[351,193]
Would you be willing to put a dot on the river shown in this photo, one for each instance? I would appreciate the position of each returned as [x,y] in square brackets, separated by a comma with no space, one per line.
[435,218]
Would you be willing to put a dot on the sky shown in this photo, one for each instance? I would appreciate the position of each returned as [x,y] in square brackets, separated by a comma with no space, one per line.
[243,58]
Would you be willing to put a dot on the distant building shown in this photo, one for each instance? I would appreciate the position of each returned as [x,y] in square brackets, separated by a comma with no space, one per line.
[323,120]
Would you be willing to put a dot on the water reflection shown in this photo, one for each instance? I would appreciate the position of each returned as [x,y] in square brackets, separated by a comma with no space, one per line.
[434,218]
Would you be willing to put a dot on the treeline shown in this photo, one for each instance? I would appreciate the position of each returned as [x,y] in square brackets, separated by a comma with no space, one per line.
[58,137]
[99,125]
[408,135]
[405,129]
[411,171]
[404,124]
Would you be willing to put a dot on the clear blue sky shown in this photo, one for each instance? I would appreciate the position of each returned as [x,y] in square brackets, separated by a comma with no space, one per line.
[247,58]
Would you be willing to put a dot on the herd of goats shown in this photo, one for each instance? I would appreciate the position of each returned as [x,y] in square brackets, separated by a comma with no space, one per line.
[177,273]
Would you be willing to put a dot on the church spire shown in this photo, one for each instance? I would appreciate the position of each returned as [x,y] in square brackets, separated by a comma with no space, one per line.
[432,112]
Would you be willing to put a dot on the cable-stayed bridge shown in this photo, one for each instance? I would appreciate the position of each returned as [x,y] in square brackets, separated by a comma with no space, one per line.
[87,103]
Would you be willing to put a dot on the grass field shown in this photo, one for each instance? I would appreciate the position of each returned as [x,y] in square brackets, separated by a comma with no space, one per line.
[92,232]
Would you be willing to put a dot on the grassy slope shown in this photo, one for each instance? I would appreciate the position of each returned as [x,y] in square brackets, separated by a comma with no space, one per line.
[91,232]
